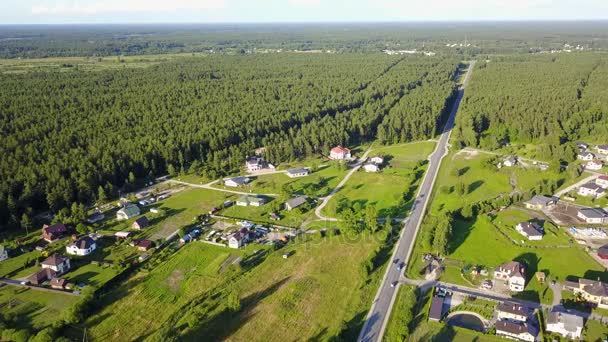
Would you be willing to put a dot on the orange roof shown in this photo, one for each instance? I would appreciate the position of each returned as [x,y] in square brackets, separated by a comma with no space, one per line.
[340,149]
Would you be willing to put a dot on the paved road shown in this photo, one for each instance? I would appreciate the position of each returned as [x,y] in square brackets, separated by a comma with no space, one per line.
[377,318]
[337,188]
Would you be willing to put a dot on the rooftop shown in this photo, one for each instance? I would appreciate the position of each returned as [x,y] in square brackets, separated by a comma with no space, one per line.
[593,212]
[571,322]
[513,308]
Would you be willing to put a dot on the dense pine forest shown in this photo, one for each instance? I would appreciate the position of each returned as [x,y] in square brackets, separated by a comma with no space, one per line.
[78,136]
[548,100]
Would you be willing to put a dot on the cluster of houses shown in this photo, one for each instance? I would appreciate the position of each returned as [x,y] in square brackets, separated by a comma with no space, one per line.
[594,189]
[593,160]
[374,164]
[594,292]
[512,322]
[51,268]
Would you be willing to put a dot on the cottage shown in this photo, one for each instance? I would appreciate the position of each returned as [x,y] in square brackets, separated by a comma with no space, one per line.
[122,235]
[602,149]
[301,172]
[82,246]
[295,202]
[339,153]
[436,310]
[593,215]
[95,217]
[129,211]
[141,223]
[512,311]
[594,165]
[59,283]
[41,276]
[144,245]
[540,202]
[510,161]
[3,253]
[513,273]
[237,181]
[530,230]
[239,238]
[568,325]
[602,181]
[377,159]
[582,146]
[591,190]
[54,232]
[516,331]
[602,252]
[371,167]
[248,200]
[593,291]
[586,156]
[57,262]
[256,163]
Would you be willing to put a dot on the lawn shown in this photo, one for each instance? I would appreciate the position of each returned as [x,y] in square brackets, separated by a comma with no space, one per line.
[595,331]
[33,308]
[94,275]
[507,219]
[404,157]
[294,218]
[17,263]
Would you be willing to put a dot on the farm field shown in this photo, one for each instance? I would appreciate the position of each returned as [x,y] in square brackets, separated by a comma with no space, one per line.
[33,308]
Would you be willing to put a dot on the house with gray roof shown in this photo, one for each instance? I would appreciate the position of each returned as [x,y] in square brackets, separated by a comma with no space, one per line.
[530,230]
[295,202]
[568,325]
[593,215]
[301,172]
[540,202]
[237,181]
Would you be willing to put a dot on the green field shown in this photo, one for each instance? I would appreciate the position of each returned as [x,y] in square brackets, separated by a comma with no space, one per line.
[402,158]
[595,331]
[293,218]
[94,275]
[33,308]
[16,264]
[507,219]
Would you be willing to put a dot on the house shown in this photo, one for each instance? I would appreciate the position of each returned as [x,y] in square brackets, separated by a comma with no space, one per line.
[540,202]
[301,172]
[529,230]
[377,159]
[95,217]
[512,311]
[57,262]
[436,310]
[41,276]
[371,167]
[239,238]
[130,210]
[516,331]
[582,146]
[602,149]
[3,253]
[274,216]
[602,181]
[593,215]
[295,202]
[602,252]
[568,325]
[144,245]
[513,273]
[510,161]
[54,232]
[122,235]
[255,163]
[82,246]
[248,200]
[339,153]
[593,291]
[594,165]
[586,156]
[592,190]
[237,181]
[59,283]
[141,223]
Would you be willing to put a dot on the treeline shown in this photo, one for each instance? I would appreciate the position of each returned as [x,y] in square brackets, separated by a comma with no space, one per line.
[79,136]
[551,101]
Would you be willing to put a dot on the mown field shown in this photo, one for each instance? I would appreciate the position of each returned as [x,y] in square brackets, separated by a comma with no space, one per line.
[304,296]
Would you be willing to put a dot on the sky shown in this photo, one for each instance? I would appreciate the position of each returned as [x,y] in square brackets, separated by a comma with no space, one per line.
[213,11]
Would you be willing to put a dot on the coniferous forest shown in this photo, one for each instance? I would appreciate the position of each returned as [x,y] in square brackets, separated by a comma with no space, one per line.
[76,136]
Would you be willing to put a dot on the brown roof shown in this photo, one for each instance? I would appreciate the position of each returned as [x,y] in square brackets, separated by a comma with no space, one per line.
[58,228]
[59,282]
[513,308]
[340,149]
[142,222]
[436,310]
[516,268]
[147,244]
[42,275]
[513,328]
[55,260]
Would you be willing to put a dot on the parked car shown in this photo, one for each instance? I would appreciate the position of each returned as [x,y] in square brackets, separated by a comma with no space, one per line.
[393,284]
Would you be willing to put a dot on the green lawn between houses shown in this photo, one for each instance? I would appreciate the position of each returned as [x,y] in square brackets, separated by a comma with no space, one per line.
[507,219]
[309,295]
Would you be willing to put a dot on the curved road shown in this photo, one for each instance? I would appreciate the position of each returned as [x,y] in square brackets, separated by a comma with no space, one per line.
[377,318]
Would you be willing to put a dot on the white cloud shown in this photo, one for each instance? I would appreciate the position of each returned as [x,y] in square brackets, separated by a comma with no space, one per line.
[305,2]
[126,6]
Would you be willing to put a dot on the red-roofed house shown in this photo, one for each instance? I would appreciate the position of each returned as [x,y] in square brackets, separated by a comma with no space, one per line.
[54,232]
[339,153]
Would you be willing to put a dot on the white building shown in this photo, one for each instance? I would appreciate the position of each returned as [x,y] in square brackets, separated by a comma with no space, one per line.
[602,181]
[585,155]
[594,165]
[591,190]
[57,262]
[378,159]
[512,311]
[246,200]
[256,163]
[602,149]
[238,239]
[516,331]
[339,153]
[567,325]
[510,161]
[237,181]
[529,230]
[293,173]
[513,273]
[593,215]
[82,246]
[3,253]
[371,167]
[130,210]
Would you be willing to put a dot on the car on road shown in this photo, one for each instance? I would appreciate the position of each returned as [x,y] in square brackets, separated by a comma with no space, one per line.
[393,284]
[400,266]
[396,261]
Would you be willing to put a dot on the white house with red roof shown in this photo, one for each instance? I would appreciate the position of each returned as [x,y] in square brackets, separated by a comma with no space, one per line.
[339,153]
